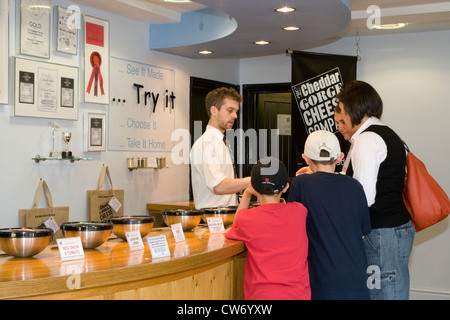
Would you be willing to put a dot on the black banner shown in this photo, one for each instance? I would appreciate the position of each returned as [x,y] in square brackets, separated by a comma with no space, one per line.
[316,79]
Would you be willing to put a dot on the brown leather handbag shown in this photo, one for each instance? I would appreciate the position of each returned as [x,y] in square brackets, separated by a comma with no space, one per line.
[424,198]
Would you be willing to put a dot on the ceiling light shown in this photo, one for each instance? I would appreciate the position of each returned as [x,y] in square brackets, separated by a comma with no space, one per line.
[205,52]
[261,42]
[285,9]
[291,28]
[390,26]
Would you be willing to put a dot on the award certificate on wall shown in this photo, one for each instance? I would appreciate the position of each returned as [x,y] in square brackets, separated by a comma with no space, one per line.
[66,30]
[96,60]
[4,52]
[95,124]
[47,90]
[35,28]
[67,92]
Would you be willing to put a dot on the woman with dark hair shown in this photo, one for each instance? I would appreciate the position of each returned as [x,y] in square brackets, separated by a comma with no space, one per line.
[377,160]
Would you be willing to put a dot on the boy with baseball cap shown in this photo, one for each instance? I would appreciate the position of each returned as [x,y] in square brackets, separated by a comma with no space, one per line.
[275,236]
[338,219]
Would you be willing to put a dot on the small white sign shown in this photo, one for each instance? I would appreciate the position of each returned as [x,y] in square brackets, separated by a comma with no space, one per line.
[178,233]
[215,225]
[284,124]
[158,247]
[70,248]
[51,224]
[115,204]
[134,240]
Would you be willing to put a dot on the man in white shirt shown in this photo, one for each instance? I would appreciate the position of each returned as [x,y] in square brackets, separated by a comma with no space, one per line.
[213,177]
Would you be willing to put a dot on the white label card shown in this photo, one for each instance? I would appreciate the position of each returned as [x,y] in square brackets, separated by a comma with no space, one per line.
[178,233]
[51,224]
[215,225]
[134,240]
[115,204]
[158,247]
[70,248]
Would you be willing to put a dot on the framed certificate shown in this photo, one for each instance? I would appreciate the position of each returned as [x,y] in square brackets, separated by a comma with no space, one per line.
[4,52]
[96,60]
[45,90]
[95,124]
[35,28]
[67,92]
[66,32]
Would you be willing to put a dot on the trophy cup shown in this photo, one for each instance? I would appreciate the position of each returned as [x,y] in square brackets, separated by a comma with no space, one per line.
[66,153]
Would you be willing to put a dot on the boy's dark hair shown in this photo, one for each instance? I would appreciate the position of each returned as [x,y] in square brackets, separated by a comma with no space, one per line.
[359,99]
[217,98]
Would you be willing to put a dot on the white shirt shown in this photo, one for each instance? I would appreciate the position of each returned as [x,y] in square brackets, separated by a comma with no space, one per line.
[211,163]
[368,151]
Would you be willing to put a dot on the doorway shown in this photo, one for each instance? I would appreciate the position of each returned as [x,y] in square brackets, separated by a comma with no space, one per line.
[199,88]
[267,107]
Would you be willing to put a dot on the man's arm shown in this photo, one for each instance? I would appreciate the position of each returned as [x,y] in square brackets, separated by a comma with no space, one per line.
[228,186]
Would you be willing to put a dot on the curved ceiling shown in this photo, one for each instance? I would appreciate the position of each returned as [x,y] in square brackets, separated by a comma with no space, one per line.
[229,27]
[257,20]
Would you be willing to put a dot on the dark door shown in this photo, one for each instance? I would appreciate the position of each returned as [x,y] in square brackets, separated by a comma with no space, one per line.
[267,107]
[199,88]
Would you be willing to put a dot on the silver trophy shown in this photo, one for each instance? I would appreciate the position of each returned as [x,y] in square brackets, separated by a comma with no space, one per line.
[66,137]
[54,153]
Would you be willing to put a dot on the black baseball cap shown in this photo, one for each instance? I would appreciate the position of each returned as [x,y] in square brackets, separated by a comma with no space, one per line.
[269,176]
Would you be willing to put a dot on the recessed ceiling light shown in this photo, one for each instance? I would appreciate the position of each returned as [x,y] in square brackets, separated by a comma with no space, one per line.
[261,42]
[291,28]
[390,26]
[285,9]
[205,52]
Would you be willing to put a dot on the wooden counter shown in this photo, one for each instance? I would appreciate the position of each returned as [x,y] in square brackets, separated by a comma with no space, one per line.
[204,266]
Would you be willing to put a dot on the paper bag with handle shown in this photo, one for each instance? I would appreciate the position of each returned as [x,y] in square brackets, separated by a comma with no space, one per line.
[49,217]
[104,204]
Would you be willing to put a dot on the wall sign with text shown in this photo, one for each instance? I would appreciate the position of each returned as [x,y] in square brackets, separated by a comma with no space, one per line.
[142,110]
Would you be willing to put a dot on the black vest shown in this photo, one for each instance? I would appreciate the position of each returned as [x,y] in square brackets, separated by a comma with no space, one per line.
[389,210]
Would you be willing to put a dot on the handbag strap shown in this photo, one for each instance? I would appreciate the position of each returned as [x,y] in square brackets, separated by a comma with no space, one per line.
[48,196]
[103,172]
[406,146]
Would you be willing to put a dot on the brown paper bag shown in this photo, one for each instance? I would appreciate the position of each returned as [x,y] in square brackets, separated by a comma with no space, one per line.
[98,200]
[35,217]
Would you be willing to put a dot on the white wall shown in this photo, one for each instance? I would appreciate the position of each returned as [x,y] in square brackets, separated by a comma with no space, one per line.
[23,138]
[412,74]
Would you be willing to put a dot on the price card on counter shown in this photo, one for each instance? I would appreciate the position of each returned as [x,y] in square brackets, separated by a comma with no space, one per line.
[70,248]
[134,240]
[178,233]
[215,225]
[158,246]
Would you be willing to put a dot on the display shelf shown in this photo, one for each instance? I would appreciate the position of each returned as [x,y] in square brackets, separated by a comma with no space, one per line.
[154,168]
[38,158]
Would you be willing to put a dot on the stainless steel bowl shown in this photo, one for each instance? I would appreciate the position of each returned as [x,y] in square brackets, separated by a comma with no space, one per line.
[189,219]
[92,234]
[226,213]
[123,224]
[24,242]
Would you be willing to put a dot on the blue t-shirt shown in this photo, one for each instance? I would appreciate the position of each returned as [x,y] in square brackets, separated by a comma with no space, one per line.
[338,218]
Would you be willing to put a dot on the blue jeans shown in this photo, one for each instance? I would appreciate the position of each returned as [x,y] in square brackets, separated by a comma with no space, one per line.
[389,250]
